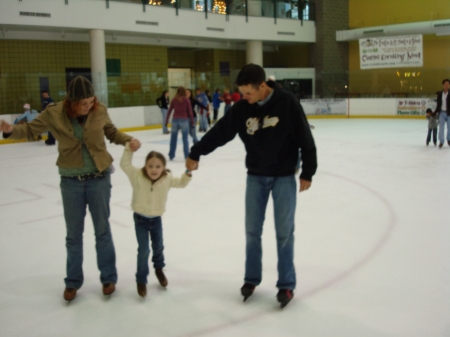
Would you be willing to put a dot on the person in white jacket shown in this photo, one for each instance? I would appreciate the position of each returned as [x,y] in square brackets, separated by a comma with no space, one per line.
[151,185]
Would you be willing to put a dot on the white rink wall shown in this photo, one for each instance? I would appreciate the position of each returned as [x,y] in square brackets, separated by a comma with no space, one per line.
[140,116]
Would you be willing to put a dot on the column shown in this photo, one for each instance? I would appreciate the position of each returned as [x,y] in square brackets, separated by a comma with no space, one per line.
[98,64]
[255,52]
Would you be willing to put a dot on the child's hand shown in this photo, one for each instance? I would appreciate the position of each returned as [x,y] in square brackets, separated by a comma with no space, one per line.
[135,144]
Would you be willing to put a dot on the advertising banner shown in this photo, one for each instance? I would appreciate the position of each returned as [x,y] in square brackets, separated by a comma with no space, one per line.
[414,106]
[391,52]
[332,106]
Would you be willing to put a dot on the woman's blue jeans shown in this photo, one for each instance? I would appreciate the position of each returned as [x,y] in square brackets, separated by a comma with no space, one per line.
[164,115]
[95,194]
[284,196]
[183,125]
[145,226]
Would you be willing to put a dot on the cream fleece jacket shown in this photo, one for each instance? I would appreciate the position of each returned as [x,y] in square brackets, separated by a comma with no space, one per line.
[149,198]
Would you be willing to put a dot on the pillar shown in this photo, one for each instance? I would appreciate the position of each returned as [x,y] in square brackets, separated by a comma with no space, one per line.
[255,52]
[98,64]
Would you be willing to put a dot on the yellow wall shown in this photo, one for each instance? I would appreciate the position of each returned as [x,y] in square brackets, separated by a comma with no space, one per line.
[367,13]
[419,81]
[295,56]
[181,58]
[22,62]
[236,58]
[143,74]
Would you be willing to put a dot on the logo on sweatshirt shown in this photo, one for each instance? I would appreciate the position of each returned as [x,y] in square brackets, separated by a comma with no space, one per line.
[253,124]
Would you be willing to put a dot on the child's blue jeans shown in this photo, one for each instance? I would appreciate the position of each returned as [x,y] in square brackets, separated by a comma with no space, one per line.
[145,226]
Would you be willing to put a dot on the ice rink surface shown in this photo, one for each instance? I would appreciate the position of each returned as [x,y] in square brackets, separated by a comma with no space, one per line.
[372,244]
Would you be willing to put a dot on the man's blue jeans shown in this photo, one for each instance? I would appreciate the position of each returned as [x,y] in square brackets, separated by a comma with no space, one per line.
[203,119]
[443,119]
[143,227]
[284,197]
[183,125]
[96,194]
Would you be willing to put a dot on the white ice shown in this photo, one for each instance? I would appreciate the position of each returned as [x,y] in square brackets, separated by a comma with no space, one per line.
[372,244]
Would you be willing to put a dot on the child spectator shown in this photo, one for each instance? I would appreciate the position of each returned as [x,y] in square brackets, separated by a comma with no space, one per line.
[432,126]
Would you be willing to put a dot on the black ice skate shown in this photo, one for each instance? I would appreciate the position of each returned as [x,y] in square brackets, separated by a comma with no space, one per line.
[247,290]
[284,296]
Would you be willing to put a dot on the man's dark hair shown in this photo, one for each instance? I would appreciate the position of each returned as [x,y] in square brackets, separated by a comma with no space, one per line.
[44,92]
[446,80]
[251,74]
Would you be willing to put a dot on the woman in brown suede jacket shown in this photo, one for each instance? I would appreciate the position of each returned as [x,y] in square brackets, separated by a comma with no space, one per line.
[80,125]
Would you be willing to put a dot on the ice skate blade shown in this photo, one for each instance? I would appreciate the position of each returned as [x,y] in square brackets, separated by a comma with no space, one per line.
[284,304]
[246,298]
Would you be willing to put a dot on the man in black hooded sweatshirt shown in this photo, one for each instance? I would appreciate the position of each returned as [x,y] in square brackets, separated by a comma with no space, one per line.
[273,127]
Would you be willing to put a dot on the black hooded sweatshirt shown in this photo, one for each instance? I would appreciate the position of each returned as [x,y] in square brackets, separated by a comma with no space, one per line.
[272,134]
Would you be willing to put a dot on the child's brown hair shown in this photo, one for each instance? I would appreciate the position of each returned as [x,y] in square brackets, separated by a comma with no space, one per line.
[160,156]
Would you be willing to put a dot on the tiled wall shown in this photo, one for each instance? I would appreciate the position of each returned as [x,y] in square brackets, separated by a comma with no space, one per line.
[23,62]
[236,58]
[181,58]
[143,69]
[296,56]
[329,57]
[203,69]
[143,74]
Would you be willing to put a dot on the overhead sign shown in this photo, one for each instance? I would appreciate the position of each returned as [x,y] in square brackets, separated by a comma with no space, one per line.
[391,52]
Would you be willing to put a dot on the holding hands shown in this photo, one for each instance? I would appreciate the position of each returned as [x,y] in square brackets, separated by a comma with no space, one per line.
[135,144]
[191,164]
